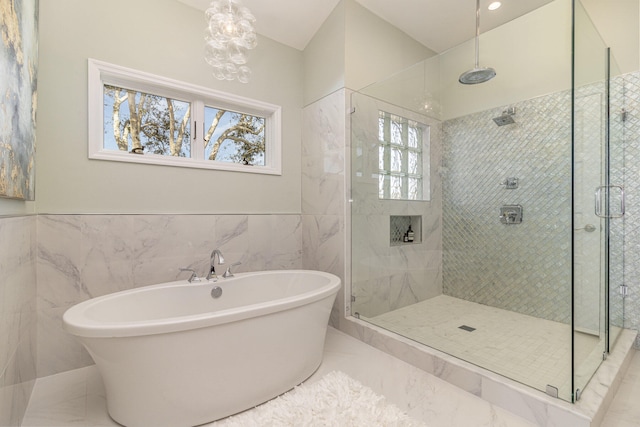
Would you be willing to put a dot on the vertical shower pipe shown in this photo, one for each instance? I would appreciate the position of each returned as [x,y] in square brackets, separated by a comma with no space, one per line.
[477,63]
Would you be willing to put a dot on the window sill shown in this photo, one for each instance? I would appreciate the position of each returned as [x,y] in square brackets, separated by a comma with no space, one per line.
[154,159]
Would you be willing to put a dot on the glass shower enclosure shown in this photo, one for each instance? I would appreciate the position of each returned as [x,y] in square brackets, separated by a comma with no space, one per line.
[487,220]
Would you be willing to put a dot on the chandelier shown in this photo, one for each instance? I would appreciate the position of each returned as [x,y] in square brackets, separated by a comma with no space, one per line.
[229,36]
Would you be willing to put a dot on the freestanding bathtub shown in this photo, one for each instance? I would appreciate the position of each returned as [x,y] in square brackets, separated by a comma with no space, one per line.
[172,355]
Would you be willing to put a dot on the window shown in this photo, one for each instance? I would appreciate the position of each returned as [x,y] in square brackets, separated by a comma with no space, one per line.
[234,137]
[139,117]
[139,123]
[403,158]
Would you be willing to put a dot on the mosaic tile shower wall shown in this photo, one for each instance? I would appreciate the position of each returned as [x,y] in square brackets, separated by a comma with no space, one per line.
[520,267]
[525,267]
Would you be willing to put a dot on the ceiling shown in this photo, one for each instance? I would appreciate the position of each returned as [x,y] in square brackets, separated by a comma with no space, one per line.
[437,24]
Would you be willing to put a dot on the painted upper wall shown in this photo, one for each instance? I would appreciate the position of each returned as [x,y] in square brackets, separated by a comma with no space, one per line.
[10,207]
[531,56]
[617,24]
[355,48]
[324,58]
[162,37]
[375,49]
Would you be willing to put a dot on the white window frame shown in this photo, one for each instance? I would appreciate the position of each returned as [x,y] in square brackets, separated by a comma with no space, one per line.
[103,73]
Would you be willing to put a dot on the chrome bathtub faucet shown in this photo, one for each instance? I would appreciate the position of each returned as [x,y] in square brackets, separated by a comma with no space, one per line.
[212,269]
[194,277]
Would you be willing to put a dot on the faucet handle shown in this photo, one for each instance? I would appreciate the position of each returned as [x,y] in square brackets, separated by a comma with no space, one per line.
[228,272]
[194,277]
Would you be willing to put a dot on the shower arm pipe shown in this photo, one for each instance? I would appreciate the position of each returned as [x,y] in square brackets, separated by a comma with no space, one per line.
[477,34]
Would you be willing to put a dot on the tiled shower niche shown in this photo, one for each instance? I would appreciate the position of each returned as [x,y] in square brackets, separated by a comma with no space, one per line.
[399,227]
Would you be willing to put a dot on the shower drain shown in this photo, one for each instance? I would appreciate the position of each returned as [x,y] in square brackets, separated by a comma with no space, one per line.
[466,328]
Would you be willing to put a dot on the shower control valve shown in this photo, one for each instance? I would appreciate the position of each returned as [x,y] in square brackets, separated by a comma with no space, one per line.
[511,214]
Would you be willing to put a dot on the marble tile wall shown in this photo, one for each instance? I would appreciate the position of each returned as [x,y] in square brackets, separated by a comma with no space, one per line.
[17,316]
[387,277]
[324,146]
[84,256]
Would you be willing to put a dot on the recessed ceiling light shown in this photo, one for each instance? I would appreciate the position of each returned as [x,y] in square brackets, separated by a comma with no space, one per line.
[494,5]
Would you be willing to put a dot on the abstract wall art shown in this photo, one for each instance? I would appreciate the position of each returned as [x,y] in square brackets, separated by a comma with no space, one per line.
[18,97]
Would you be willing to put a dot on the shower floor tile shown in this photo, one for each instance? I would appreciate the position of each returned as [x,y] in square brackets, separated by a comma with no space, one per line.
[533,351]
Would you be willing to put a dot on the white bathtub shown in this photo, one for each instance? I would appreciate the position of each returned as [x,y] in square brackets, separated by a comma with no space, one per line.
[171,355]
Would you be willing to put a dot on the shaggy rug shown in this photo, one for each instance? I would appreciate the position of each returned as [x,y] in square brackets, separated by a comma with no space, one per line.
[336,400]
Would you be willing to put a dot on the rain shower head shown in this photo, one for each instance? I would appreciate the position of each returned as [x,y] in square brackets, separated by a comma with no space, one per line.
[477,74]
[506,118]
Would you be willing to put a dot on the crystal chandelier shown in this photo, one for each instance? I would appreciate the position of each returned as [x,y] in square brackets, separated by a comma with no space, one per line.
[229,36]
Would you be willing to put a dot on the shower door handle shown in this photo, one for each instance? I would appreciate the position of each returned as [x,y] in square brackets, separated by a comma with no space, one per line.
[598,201]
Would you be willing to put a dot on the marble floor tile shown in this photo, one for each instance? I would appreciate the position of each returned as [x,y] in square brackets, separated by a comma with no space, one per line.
[72,398]
[76,398]
[527,349]
[624,410]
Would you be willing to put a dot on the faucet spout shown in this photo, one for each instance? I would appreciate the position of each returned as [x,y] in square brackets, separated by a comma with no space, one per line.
[212,269]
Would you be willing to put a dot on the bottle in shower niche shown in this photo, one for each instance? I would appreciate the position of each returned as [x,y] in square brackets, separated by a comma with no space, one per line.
[410,234]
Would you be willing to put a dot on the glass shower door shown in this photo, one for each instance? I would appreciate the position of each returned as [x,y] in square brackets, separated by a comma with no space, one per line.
[589,234]
[597,202]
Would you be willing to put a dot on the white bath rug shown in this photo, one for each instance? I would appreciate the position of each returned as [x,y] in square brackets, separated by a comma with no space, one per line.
[337,400]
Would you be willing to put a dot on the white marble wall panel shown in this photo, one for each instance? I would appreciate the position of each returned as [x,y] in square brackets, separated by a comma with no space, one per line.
[166,243]
[323,243]
[323,156]
[324,147]
[85,256]
[17,316]
[282,247]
